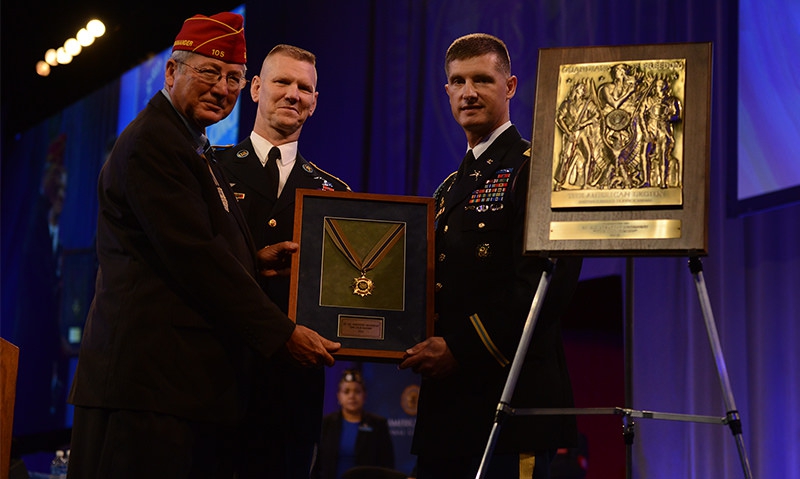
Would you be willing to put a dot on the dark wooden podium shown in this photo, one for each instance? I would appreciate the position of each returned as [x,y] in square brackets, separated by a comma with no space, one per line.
[9,361]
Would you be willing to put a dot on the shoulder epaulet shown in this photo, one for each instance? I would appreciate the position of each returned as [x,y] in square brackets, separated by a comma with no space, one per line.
[444,185]
[222,147]
[332,176]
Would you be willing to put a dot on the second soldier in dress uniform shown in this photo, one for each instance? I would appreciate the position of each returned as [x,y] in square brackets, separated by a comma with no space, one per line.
[264,171]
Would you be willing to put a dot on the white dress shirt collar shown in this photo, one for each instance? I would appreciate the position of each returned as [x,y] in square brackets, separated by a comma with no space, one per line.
[484,145]
[262,146]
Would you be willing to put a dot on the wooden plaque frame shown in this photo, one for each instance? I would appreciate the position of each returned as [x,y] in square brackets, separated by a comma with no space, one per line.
[588,219]
[374,324]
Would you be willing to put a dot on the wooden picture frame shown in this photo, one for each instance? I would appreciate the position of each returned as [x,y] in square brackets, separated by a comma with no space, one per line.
[364,272]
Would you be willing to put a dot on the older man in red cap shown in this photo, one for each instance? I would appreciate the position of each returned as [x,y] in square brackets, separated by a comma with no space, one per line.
[178,320]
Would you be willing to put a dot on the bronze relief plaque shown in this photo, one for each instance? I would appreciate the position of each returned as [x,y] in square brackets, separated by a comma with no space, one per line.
[620,154]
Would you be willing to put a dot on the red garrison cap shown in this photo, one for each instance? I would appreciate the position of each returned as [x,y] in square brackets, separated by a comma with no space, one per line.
[219,36]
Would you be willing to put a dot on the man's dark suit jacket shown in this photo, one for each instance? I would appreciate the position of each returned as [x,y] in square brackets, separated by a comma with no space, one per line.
[484,289]
[177,315]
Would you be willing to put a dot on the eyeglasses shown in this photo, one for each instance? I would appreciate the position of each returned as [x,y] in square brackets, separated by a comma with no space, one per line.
[212,76]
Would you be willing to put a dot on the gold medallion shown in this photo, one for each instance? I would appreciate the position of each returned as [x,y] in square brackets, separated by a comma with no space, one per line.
[363,286]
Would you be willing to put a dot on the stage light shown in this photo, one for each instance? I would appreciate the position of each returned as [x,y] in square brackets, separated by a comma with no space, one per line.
[42,68]
[96,28]
[84,37]
[62,56]
[72,47]
[50,57]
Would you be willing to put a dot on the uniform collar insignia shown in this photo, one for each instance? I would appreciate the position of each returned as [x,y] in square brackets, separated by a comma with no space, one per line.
[308,168]
[242,153]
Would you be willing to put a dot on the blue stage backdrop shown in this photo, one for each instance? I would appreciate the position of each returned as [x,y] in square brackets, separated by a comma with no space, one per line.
[768,173]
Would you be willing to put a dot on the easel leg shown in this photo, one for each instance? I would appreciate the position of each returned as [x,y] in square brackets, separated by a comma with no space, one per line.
[503,409]
[628,433]
[628,428]
[734,421]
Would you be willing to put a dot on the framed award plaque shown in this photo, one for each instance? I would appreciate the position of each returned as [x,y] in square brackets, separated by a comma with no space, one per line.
[364,272]
[620,156]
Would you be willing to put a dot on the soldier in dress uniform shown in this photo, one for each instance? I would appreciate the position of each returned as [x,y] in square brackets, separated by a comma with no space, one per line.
[484,290]
[265,170]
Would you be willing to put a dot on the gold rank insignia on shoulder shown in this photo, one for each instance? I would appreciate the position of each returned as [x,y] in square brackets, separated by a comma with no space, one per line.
[312,165]
[242,154]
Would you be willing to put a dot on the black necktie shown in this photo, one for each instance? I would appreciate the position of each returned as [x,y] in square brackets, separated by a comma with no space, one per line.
[469,159]
[271,169]
[466,164]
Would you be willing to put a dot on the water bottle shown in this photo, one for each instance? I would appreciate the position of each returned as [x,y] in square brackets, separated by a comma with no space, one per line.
[65,466]
[58,466]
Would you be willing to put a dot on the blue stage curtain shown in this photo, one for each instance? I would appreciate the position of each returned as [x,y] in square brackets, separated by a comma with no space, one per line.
[45,293]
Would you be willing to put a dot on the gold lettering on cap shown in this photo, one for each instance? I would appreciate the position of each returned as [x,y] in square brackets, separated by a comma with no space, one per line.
[184,43]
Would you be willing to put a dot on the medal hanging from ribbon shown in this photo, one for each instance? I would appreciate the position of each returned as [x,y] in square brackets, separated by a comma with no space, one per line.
[362,285]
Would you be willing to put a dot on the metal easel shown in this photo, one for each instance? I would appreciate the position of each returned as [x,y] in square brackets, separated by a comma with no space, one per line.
[731,419]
